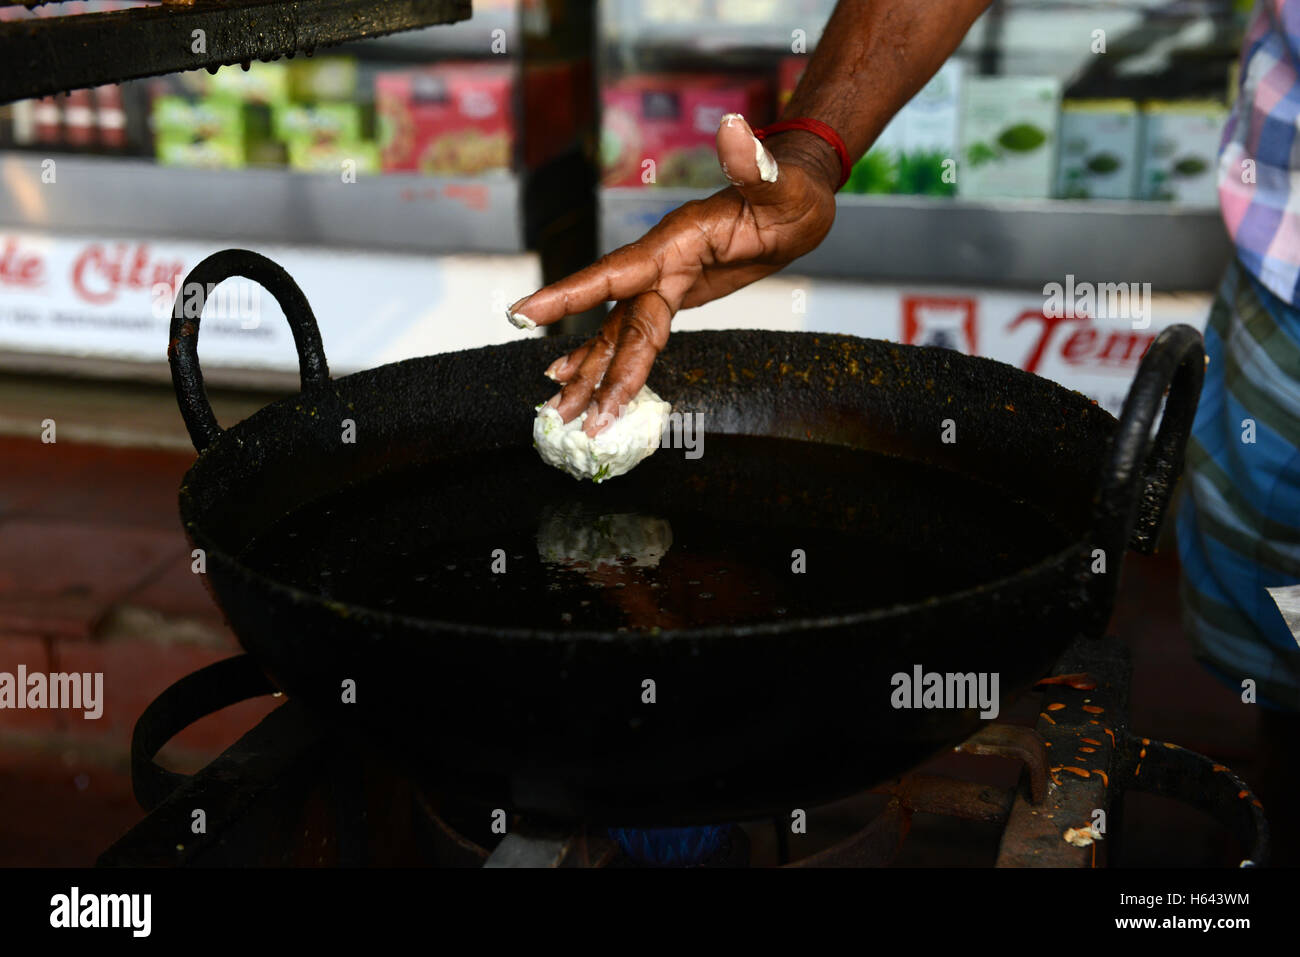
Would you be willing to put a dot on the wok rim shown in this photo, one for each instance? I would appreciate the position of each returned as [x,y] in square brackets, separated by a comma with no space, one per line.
[712,633]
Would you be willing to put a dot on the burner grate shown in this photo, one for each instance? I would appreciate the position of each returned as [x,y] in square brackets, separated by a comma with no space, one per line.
[294,791]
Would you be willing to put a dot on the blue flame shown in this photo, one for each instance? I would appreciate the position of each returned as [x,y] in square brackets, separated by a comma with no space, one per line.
[670,846]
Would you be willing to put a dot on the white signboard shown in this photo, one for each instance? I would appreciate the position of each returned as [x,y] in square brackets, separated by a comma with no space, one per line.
[107,297]
[113,298]
[1087,339]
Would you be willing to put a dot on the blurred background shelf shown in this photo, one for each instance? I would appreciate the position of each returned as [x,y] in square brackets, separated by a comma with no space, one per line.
[478,147]
[407,211]
[995,243]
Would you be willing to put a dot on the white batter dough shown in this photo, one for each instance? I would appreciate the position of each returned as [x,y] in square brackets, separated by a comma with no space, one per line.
[634,436]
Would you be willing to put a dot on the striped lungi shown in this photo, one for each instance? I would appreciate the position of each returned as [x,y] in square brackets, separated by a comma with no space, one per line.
[1239,524]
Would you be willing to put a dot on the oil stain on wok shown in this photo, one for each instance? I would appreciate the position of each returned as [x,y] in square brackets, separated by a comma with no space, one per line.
[756,529]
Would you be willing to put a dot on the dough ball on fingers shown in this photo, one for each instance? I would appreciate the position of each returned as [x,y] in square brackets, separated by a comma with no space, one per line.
[632,438]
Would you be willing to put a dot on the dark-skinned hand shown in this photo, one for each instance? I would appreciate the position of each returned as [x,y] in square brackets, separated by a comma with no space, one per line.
[699,252]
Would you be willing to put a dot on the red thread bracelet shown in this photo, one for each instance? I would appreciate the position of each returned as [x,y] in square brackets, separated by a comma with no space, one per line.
[817,128]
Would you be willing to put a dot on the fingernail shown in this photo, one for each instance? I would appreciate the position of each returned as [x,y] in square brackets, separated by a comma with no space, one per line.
[729,118]
[767,170]
[519,320]
[554,401]
[553,368]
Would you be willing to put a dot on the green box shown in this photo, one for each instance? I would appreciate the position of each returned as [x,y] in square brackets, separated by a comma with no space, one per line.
[328,122]
[309,157]
[322,79]
[1009,130]
[1099,153]
[877,170]
[204,153]
[265,83]
[1180,150]
[178,117]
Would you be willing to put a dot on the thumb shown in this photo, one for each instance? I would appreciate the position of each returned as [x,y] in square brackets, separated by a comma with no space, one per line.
[746,162]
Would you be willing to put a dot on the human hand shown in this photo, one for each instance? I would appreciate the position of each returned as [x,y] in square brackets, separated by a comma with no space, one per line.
[780,205]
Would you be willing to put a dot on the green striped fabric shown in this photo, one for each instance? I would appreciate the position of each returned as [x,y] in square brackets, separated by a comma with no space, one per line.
[1239,523]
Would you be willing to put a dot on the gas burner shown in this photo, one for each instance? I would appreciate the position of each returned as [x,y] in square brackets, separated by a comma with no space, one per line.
[1049,792]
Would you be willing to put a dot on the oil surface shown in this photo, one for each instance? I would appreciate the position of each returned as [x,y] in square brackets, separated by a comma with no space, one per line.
[755,529]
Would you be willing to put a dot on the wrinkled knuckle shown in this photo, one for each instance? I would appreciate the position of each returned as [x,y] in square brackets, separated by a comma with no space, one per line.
[605,340]
[643,327]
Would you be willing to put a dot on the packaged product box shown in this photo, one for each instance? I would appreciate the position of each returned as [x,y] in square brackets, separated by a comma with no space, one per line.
[453,119]
[910,154]
[662,130]
[930,126]
[623,135]
[1099,149]
[323,79]
[226,123]
[748,12]
[877,170]
[212,152]
[310,156]
[1180,148]
[320,122]
[178,117]
[1008,137]
[674,11]
[264,83]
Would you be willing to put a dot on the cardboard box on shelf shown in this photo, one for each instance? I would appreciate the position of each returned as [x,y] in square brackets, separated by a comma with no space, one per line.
[178,117]
[1180,148]
[318,156]
[323,79]
[661,130]
[264,83]
[451,119]
[877,170]
[321,122]
[211,152]
[931,122]
[213,132]
[1099,149]
[1008,137]
[915,152]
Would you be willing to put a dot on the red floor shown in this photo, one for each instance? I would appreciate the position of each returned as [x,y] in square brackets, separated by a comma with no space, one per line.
[95,576]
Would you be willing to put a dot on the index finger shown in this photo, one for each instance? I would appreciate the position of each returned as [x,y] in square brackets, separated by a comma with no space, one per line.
[618,275]
[642,334]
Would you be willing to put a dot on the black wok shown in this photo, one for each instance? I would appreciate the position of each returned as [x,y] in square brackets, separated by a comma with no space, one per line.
[748,718]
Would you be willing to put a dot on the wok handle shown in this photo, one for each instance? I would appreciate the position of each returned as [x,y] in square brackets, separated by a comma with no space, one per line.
[1140,475]
[195,696]
[183,341]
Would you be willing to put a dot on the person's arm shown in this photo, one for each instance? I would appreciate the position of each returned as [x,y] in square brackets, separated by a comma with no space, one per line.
[872,58]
